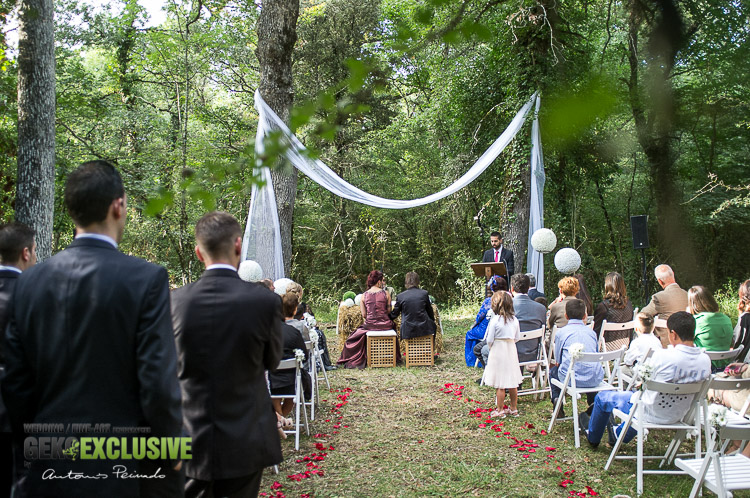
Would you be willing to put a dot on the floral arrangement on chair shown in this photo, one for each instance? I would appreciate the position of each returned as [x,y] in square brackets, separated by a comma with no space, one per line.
[299,356]
[576,351]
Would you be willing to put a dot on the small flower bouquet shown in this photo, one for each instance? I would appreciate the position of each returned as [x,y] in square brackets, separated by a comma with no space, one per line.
[576,351]
[645,371]
[299,355]
[314,337]
[717,415]
[310,320]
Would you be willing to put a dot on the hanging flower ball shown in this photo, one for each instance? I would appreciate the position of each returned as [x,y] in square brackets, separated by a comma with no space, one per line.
[280,285]
[347,303]
[544,240]
[567,260]
[358,299]
[250,271]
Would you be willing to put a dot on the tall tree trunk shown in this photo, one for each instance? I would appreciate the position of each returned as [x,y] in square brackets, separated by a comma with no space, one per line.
[277,34]
[36,120]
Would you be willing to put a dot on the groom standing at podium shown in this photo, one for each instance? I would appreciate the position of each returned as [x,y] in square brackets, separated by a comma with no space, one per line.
[498,253]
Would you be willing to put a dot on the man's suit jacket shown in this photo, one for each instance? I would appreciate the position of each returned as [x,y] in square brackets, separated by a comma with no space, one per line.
[90,340]
[665,302]
[228,333]
[8,280]
[533,294]
[506,256]
[418,318]
[531,316]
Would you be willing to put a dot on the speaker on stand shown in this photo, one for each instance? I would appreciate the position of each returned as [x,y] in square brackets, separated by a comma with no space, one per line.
[639,228]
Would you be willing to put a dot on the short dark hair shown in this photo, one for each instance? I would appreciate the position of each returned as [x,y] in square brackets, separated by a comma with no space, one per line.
[575,309]
[532,279]
[14,238]
[290,301]
[496,234]
[90,190]
[519,282]
[216,232]
[683,324]
[411,280]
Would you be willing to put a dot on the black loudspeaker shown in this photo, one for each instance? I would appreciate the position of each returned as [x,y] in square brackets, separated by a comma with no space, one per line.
[639,227]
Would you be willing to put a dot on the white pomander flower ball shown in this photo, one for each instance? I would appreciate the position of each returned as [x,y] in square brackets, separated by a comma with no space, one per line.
[358,299]
[567,260]
[250,271]
[348,302]
[544,240]
[280,285]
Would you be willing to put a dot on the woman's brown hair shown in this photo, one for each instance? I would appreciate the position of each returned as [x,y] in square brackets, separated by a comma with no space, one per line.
[614,290]
[744,304]
[289,301]
[502,305]
[700,300]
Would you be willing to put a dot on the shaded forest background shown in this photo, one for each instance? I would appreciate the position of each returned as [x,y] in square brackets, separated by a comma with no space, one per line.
[644,111]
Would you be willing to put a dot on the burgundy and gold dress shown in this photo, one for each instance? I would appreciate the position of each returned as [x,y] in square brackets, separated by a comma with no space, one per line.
[354,354]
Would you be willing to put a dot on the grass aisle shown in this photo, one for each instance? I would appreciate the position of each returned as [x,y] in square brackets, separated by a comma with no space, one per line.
[399,435]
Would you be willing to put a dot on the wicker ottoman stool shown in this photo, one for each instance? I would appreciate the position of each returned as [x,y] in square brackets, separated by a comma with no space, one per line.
[420,351]
[381,348]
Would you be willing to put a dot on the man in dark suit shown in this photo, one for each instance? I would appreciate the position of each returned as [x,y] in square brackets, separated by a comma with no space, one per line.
[531,315]
[89,341]
[414,303]
[17,253]
[498,253]
[228,332]
[533,292]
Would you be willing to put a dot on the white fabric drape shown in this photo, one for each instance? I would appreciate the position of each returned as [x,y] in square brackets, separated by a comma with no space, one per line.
[262,241]
[534,260]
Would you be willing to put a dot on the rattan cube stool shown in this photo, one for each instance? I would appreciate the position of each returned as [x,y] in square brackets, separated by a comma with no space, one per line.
[420,351]
[381,348]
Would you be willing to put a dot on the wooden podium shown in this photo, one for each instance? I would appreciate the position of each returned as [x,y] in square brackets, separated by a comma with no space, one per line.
[487,270]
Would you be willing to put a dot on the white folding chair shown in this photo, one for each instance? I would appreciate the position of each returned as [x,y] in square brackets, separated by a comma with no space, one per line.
[320,364]
[551,349]
[539,378]
[729,355]
[568,386]
[298,397]
[690,423]
[614,336]
[313,371]
[728,384]
[627,380]
[660,323]
[720,473]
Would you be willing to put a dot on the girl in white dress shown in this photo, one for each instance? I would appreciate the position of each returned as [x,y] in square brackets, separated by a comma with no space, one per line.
[503,371]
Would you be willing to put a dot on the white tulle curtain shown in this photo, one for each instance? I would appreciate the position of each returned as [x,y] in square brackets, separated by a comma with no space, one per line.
[534,260]
[262,241]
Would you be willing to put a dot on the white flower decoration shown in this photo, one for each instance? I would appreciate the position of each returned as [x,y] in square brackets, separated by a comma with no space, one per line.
[544,240]
[250,271]
[567,260]
[645,370]
[299,355]
[717,415]
[347,303]
[280,285]
[576,351]
[313,337]
[358,299]
[310,320]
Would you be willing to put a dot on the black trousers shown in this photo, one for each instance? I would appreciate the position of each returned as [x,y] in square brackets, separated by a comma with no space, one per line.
[239,487]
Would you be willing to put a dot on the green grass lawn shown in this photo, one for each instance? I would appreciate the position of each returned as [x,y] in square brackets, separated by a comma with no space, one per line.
[399,435]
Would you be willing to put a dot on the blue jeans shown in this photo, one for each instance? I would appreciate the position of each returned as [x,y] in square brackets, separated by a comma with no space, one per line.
[605,402]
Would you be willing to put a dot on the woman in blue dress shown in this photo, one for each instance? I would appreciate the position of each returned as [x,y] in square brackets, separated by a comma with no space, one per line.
[476,333]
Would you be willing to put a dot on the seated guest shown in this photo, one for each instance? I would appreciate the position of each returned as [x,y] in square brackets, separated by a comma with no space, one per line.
[414,303]
[541,300]
[290,303]
[667,301]
[731,398]
[741,336]
[568,288]
[615,307]
[475,335]
[583,295]
[644,326]
[282,382]
[713,329]
[587,374]
[374,306]
[530,316]
[684,363]
[533,292]
[304,313]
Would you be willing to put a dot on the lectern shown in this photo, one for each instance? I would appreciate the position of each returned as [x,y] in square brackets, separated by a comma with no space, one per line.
[487,270]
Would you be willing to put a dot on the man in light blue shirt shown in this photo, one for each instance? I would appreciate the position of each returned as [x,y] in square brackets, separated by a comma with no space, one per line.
[587,374]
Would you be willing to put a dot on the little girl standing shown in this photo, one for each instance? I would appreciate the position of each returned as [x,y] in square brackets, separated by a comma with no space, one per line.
[503,371]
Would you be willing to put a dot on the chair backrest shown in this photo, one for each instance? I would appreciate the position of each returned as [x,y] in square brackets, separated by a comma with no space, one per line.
[532,334]
[288,364]
[675,388]
[660,323]
[725,355]
[728,384]
[598,357]
[552,342]
[735,432]
[615,335]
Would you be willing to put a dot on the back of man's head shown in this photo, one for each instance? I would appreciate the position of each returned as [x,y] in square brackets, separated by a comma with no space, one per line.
[216,233]
[90,190]
[683,324]
[575,309]
[411,280]
[532,279]
[664,273]
[14,238]
[519,282]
